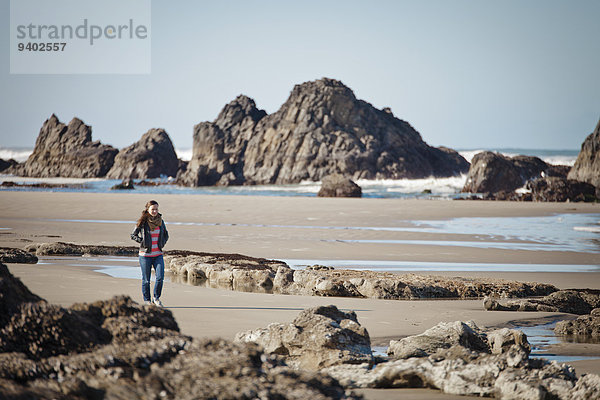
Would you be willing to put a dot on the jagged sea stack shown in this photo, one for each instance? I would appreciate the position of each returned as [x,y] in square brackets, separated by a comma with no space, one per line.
[587,165]
[321,129]
[68,151]
[150,157]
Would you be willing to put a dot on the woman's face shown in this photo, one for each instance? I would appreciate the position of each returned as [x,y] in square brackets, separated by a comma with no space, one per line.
[153,210]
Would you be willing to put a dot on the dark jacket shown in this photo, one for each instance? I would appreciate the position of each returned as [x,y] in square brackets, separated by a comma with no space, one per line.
[144,238]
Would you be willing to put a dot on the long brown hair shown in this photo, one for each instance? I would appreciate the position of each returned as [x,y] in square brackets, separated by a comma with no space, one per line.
[145,214]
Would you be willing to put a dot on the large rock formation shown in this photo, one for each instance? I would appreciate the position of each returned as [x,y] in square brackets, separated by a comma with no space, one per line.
[318,337]
[337,185]
[68,151]
[494,172]
[321,129]
[92,350]
[587,165]
[150,157]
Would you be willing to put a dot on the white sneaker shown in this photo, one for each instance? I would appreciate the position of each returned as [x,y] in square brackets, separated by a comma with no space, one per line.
[147,303]
[157,302]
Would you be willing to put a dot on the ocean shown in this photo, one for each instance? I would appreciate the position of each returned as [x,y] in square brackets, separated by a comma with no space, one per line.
[436,188]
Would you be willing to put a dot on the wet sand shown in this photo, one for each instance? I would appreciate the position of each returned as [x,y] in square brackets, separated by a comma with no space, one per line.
[282,228]
[277,227]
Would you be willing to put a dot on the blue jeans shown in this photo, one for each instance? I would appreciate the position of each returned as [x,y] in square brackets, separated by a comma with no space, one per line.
[146,263]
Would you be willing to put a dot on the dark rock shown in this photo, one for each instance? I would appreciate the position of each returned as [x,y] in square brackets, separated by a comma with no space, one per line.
[41,330]
[68,151]
[321,129]
[556,189]
[558,171]
[127,184]
[219,146]
[575,302]
[318,337]
[70,249]
[13,294]
[182,166]
[150,157]
[585,325]
[16,256]
[337,185]
[43,185]
[118,349]
[6,164]
[578,302]
[493,172]
[587,165]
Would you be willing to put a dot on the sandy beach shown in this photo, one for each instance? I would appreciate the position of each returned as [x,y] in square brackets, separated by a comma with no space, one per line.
[291,228]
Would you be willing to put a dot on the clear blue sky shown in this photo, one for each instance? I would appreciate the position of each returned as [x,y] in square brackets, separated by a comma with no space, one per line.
[465,74]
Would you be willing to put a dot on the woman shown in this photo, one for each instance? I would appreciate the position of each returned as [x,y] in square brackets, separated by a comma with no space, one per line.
[151,233]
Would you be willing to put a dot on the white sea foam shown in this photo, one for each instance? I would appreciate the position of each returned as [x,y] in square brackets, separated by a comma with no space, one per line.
[184,154]
[560,160]
[16,153]
[469,154]
[595,229]
[449,185]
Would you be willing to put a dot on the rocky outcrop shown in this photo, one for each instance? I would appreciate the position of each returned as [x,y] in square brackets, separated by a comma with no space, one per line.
[70,249]
[16,256]
[585,325]
[321,129]
[13,294]
[467,361]
[225,271]
[502,340]
[42,185]
[587,165]
[250,274]
[493,172]
[92,350]
[441,336]
[578,302]
[126,184]
[68,151]
[150,157]
[555,189]
[446,335]
[237,272]
[337,185]
[318,337]
[219,146]
[6,164]
[459,371]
